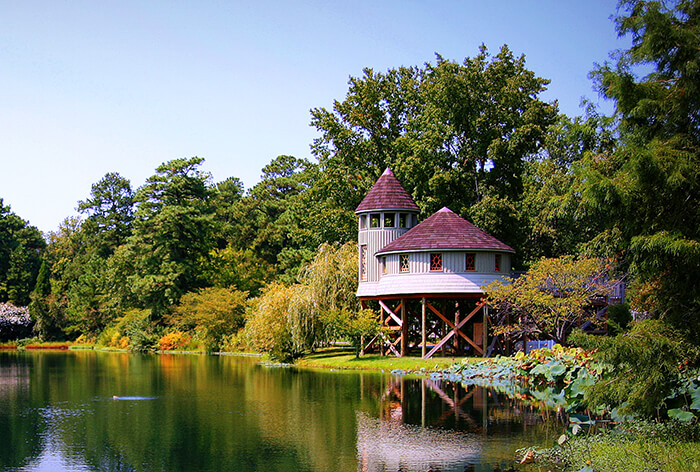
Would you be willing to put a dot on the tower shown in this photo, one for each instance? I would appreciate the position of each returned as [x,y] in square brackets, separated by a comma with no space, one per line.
[386,213]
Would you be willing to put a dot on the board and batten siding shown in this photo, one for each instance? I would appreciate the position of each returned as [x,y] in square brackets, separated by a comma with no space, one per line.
[452,262]
[375,239]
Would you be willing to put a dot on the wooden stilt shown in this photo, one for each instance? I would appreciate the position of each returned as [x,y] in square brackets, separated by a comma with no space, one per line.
[404,330]
[456,340]
[424,338]
[485,330]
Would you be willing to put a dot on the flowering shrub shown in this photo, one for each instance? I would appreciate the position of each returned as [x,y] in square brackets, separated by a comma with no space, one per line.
[173,341]
[15,322]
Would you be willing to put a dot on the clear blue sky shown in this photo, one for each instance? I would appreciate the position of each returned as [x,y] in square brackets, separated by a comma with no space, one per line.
[90,87]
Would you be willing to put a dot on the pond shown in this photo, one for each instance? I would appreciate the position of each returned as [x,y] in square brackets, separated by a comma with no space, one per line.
[96,411]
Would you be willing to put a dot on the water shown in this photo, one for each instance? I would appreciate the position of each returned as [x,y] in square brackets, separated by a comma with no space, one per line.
[92,411]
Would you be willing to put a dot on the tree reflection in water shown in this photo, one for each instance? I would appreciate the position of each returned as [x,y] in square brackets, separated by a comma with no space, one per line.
[210,413]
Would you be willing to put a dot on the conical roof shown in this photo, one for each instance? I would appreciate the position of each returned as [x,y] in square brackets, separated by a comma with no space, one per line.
[387,194]
[445,230]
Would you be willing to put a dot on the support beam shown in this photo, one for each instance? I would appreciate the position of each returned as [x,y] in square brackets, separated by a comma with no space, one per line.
[390,312]
[456,330]
[404,330]
[485,330]
[424,338]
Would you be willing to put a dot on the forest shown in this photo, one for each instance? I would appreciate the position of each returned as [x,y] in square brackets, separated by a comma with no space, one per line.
[185,260]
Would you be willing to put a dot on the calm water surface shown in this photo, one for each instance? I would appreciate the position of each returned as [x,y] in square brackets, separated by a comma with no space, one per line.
[92,411]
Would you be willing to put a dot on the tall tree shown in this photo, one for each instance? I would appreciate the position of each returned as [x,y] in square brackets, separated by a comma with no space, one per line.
[648,191]
[271,220]
[456,135]
[110,210]
[172,235]
[20,247]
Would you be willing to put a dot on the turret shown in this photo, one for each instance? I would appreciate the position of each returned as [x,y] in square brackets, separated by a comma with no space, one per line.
[386,213]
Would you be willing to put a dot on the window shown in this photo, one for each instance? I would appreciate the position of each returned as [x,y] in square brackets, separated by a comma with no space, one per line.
[363,262]
[383,264]
[435,261]
[403,263]
[363,222]
[471,261]
[497,265]
[374,220]
[403,220]
[389,219]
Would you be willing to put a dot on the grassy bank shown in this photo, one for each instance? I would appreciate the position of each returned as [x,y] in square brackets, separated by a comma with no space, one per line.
[638,446]
[344,358]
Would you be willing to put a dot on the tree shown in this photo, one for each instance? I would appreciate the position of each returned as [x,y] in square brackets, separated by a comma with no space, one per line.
[553,220]
[110,210]
[550,300]
[456,135]
[20,248]
[647,191]
[211,313]
[288,320]
[270,220]
[645,371]
[172,235]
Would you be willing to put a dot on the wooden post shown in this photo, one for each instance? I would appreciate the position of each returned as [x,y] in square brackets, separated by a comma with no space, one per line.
[424,337]
[456,338]
[404,329]
[485,330]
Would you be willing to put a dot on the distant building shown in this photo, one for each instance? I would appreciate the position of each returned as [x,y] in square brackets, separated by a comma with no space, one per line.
[439,265]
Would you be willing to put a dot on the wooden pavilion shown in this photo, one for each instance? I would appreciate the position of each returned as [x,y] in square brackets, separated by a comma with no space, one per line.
[425,278]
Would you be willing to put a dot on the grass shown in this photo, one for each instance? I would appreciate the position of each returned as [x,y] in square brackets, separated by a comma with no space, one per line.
[637,446]
[344,358]
[639,455]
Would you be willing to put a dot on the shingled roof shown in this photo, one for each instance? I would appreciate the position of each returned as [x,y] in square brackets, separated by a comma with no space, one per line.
[387,194]
[445,230]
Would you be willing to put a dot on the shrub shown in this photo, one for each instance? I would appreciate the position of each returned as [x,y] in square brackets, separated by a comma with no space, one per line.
[643,368]
[15,322]
[173,341]
[131,331]
[212,313]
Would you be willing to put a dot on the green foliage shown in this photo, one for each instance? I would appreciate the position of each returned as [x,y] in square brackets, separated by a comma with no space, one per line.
[287,321]
[270,220]
[110,210]
[453,133]
[212,313]
[619,316]
[354,326]
[548,378]
[635,447]
[20,246]
[642,370]
[172,235]
[240,268]
[552,298]
[268,329]
[647,191]
[132,331]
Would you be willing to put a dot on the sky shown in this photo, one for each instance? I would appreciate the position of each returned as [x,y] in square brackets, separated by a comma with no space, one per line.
[91,87]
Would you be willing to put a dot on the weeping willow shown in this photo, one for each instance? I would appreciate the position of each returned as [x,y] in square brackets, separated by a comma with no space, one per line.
[288,320]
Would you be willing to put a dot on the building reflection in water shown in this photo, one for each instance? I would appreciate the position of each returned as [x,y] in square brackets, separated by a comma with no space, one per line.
[431,425]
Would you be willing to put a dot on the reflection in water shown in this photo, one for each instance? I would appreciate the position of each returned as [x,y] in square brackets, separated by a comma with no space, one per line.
[392,445]
[183,413]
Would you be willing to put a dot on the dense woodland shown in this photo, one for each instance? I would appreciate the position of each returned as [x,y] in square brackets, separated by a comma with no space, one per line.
[185,258]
